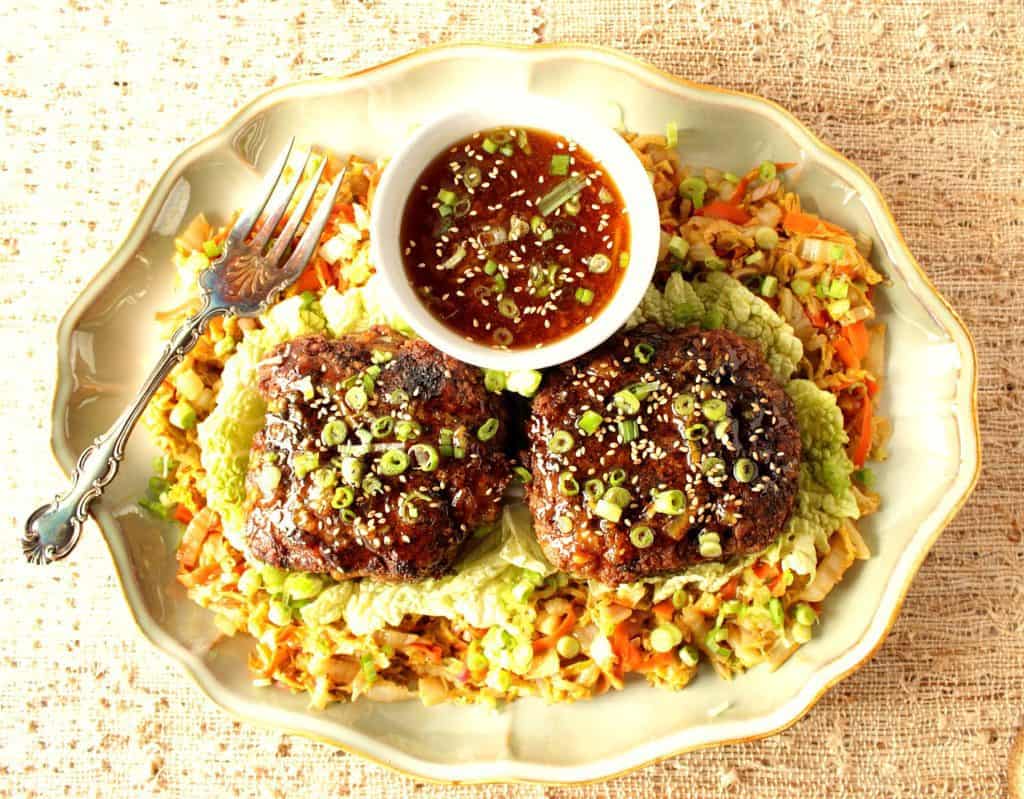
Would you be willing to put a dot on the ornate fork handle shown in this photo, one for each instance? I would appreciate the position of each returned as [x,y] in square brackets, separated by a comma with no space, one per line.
[53,530]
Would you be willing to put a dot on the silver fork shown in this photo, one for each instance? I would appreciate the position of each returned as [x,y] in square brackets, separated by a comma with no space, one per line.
[243,280]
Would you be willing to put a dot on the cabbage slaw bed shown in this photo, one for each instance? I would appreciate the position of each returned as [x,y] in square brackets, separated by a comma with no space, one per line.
[736,253]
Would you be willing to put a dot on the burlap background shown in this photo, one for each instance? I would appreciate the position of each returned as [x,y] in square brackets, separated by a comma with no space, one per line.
[926,96]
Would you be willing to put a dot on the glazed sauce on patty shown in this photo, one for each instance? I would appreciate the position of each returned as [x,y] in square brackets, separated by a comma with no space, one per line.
[515,238]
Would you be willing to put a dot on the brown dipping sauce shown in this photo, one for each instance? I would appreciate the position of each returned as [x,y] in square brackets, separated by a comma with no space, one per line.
[515,238]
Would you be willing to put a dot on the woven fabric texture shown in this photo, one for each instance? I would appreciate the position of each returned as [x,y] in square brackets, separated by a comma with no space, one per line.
[925,95]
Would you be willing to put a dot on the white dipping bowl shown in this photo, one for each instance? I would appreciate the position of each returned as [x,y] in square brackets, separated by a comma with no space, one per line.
[602,143]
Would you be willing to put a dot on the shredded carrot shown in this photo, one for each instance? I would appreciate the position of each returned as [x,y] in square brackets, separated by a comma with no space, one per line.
[182,514]
[729,589]
[345,213]
[741,188]
[809,224]
[719,209]
[628,653]
[665,609]
[564,628]
[862,444]
[431,651]
[873,387]
[657,660]
[764,571]
[817,318]
[313,278]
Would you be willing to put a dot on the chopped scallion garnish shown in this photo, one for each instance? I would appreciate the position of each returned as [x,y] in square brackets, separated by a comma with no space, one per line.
[589,422]
[641,536]
[559,165]
[694,189]
[766,171]
[608,510]
[568,188]
[671,502]
[672,134]
[567,485]
[629,430]
[584,296]
[627,402]
[561,441]
[709,544]
[644,352]
[488,429]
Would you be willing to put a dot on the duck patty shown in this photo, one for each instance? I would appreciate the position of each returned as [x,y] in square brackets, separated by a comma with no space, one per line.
[658,451]
[380,456]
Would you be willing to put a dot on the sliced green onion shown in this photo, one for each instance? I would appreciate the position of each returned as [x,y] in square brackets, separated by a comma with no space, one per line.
[371,485]
[490,267]
[561,441]
[838,289]
[723,429]
[584,296]
[394,461]
[608,510]
[382,426]
[713,638]
[766,238]
[523,474]
[744,470]
[567,647]
[508,308]
[356,398]
[766,171]
[629,430]
[212,249]
[568,188]
[507,150]
[616,477]
[713,466]
[343,497]
[618,496]
[425,457]
[444,442]
[488,429]
[678,247]
[804,614]
[559,165]
[837,308]
[754,258]
[769,286]
[490,146]
[567,485]
[495,380]
[538,225]
[599,263]
[836,252]
[182,416]
[572,206]
[334,433]
[713,409]
[593,488]
[641,536]
[684,405]
[801,633]
[689,655]
[589,422]
[305,462]
[695,432]
[405,430]
[694,189]
[472,177]
[627,402]
[671,134]
[666,637]
[459,443]
[714,263]
[604,195]
[644,352]
[364,435]
[775,611]
[446,197]
[709,544]
[800,287]
[671,502]
[351,470]
[499,283]
[324,477]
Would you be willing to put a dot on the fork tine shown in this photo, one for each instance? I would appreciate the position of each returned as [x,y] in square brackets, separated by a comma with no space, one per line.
[296,217]
[311,238]
[248,218]
[275,208]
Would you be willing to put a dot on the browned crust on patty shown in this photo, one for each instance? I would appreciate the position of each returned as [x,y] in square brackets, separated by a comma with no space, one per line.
[747,516]
[415,524]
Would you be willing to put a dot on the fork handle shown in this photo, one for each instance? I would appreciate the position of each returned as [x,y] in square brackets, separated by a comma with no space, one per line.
[52,531]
